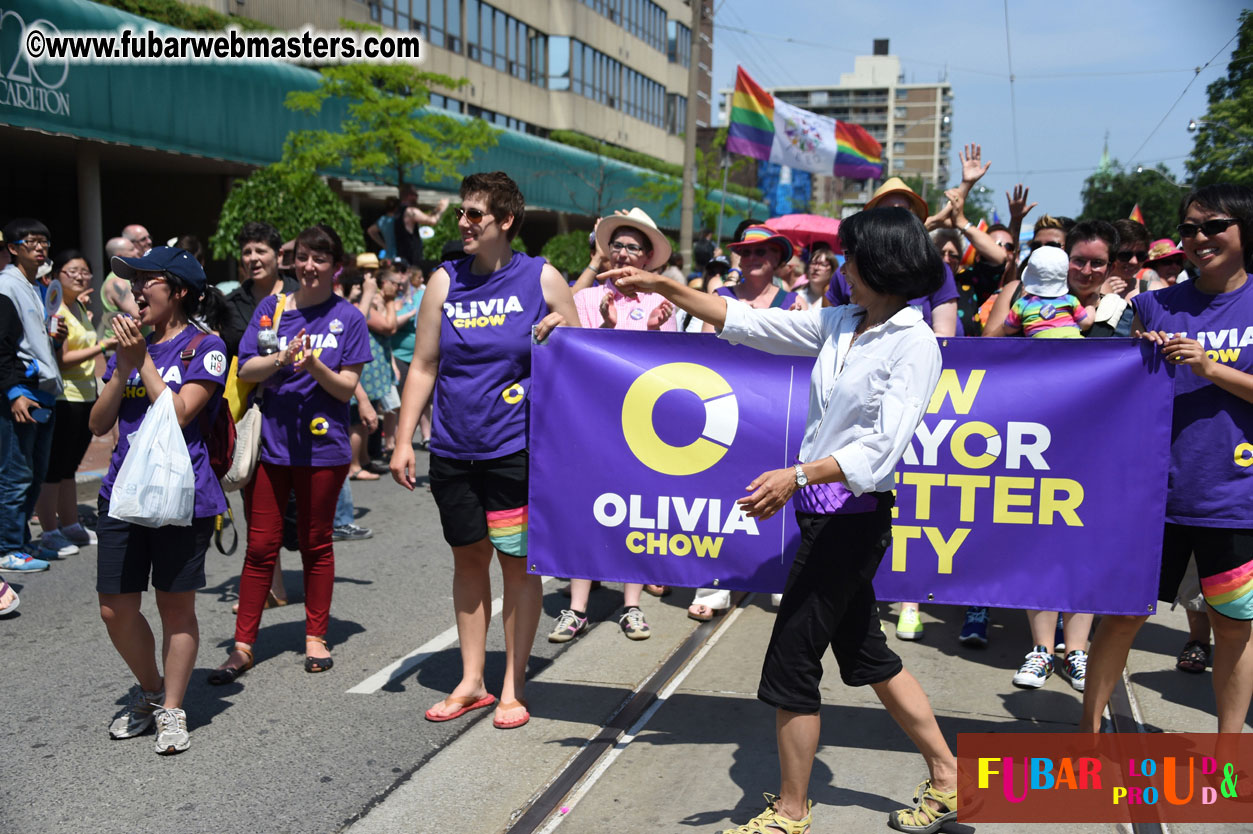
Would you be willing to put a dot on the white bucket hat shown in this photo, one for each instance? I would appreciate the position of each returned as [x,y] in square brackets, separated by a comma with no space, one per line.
[636,218]
[1045,275]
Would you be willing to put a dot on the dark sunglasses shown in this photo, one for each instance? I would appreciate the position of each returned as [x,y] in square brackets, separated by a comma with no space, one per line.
[474,215]
[756,251]
[1008,247]
[1211,227]
[1039,244]
[1125,256]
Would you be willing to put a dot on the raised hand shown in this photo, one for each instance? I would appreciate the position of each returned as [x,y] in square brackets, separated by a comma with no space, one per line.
[660,315]
[1018,207]
[972,167]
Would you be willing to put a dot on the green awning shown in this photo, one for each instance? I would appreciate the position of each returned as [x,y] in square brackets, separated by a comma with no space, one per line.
[235,112]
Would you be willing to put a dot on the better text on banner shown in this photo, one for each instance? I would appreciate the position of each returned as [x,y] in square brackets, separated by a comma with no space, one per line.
[1036,480]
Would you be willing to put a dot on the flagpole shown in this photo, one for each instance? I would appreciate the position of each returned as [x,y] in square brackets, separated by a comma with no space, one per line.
[722,205]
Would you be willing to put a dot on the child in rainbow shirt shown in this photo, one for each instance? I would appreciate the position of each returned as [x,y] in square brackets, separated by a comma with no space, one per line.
[1046,309]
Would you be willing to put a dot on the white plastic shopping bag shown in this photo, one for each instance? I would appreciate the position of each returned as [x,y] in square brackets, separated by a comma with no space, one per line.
[156,485]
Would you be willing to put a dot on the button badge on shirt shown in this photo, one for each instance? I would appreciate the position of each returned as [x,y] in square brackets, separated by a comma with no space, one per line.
[637,314]
[513,394]
[319,426]
[337,326]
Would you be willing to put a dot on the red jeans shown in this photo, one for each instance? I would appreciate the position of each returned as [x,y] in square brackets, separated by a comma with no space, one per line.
[317,489]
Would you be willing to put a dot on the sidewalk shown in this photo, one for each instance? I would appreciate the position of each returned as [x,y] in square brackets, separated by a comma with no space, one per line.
[707,753]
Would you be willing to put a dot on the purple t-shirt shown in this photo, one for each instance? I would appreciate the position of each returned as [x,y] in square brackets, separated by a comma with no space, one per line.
[789,298]
[302,424]
[1211,481]
[208,365]
[485,359]
[837,294]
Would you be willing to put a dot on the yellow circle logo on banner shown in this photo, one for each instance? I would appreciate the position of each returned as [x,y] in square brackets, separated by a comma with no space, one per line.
[319,426]
[722,418]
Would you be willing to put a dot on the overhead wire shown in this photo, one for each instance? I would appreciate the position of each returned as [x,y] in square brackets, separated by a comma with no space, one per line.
[1172,107]
[1013,104]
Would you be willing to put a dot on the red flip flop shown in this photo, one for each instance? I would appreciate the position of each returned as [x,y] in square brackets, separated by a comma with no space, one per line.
[510,725]
[466,702]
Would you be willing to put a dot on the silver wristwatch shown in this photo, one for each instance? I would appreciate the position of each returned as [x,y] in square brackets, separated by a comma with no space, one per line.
[801,478]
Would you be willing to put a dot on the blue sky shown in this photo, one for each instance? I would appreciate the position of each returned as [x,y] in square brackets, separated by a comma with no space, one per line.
[1081,68]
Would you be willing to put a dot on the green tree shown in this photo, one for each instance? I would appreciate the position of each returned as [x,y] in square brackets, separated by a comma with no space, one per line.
[288,200]
[668,191]
[567,252]
[1113,193]
[385,132]
[1223,148]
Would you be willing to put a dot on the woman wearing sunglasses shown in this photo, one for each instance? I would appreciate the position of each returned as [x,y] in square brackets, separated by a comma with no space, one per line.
[473,355]
[761,250]
[1209,500]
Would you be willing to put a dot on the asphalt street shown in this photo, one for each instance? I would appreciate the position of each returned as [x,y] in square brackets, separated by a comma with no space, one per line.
[279,750]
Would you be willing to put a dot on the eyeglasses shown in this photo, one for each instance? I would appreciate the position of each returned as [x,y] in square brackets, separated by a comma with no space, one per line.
[143,282]
[472,214]
[1097,264]
[1039,244]
[630,248]
[77,273]
[1008,246]
[34,242]
[1126,256]
[1211,227]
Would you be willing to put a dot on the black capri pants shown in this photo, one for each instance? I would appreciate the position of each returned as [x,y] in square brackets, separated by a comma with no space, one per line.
[829,601]
[70,439]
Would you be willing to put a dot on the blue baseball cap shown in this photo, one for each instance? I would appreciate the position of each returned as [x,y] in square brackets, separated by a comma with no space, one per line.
[178,262]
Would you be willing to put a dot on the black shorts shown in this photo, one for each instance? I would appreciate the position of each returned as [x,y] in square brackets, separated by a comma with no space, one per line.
[480,498]
[70,439]
[829,601]
[1224,564]
[127,553]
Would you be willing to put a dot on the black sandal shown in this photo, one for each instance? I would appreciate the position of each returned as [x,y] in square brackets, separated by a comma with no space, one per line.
[313,665]
[1194,657]
[230,674]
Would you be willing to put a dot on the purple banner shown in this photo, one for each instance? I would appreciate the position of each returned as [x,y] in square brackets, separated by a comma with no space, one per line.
[1036,480]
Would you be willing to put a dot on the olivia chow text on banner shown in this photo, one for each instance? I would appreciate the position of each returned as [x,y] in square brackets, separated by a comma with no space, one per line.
[642,442]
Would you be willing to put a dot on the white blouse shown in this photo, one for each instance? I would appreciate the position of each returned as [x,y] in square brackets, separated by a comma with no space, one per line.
[866,398]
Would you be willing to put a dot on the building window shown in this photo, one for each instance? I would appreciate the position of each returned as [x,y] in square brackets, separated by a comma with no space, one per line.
[898,164]
[676,114]
[901,112]
[898,147]
[678,43]
[642,18]
[495,39]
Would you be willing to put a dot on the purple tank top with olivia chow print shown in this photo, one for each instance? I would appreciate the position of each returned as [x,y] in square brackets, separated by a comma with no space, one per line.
[480,405]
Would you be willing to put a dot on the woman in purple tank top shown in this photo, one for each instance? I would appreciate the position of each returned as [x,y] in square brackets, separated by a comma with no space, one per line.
[472,359]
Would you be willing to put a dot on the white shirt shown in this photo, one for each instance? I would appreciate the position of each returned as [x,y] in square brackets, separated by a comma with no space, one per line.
[866,398]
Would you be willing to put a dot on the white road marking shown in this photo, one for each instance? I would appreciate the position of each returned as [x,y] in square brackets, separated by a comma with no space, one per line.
[398,669]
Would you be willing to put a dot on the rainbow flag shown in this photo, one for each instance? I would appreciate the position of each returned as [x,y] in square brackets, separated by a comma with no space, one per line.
[1138,215]
[751,129]
[968,257]
[858,156]
[783,133]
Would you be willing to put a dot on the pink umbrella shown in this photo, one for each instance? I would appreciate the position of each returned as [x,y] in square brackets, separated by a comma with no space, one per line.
[806,229]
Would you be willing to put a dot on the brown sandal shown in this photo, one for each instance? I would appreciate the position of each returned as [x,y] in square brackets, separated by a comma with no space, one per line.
[229,674]
[314,665]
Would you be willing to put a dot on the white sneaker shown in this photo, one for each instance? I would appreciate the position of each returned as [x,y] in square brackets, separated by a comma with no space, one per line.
[1036,669]
[79,535]
[172,735]
[54,544]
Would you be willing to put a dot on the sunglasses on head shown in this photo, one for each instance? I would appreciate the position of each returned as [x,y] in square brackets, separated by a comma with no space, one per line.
[472,214]
[1140,255]
[1211,227]
[1039,244]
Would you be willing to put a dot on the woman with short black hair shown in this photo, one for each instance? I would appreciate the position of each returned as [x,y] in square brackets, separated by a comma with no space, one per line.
[877,366]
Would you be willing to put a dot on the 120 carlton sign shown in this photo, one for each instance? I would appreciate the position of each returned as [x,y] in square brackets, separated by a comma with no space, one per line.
[641,443]
[25,84]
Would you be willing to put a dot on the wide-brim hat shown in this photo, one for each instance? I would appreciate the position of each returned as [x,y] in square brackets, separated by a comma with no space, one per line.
[637,219]
[1045,275]
[1163,249]
[367,260]
[896,185]
[177,262]
[757,235]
